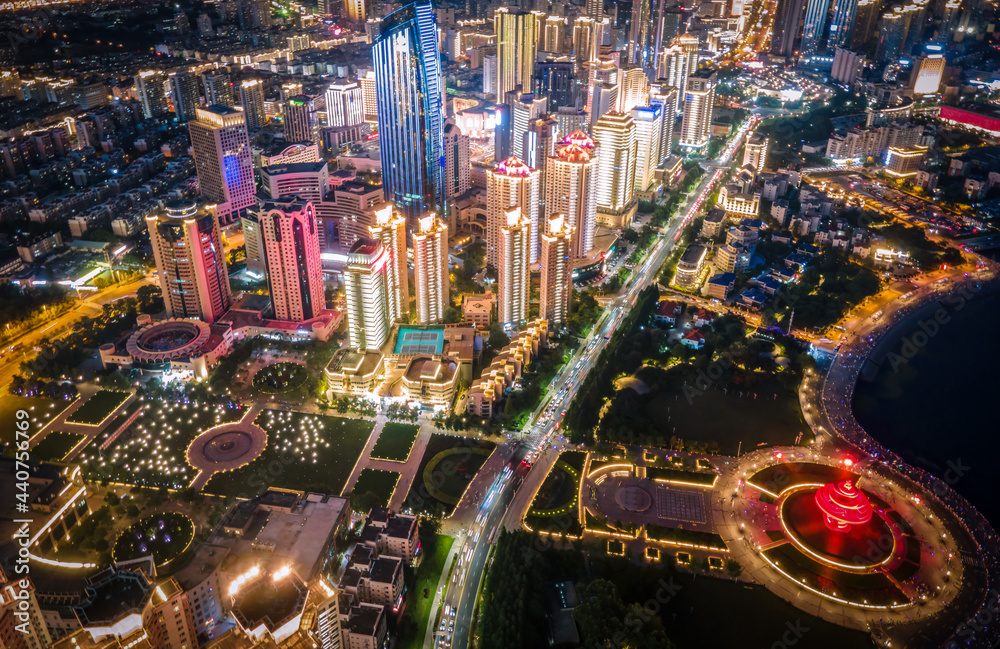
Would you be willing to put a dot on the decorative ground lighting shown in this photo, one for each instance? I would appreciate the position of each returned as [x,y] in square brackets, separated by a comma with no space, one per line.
[843,506]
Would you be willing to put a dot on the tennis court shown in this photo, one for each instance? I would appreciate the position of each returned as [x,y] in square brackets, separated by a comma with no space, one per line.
[420,341]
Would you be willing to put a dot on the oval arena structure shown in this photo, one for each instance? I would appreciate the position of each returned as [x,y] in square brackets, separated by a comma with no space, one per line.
[169,339]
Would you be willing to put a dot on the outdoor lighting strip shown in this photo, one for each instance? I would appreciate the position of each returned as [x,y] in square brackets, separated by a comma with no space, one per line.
[761,489]
[825,560]
[832,597]
[630,467]
[689,484]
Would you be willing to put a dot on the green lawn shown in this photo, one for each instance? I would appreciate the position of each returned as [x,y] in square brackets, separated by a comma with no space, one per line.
[98,407]
[395,441]
[418,609]
[54,446]
[450,463]
[381,483]
[304,451]
[152,451]
[41,412]
[728,418]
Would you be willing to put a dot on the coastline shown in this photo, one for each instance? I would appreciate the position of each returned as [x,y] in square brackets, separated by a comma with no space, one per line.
[869,349]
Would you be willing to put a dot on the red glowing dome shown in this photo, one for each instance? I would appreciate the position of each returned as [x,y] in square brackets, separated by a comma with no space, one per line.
[513,167]
[843,506]
[574,153]
[579,138]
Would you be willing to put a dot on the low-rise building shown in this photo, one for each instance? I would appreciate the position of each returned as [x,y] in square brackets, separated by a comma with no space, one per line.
[490,388]
[478,309]
[714,220]
[431,379]
[690,265]
[667,312]
[721,285]
[353,372]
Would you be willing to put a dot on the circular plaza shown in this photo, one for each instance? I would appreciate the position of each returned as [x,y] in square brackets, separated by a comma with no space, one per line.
[226,447]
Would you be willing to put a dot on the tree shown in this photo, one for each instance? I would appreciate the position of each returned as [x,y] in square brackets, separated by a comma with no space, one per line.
[733,568]
[498,337]
[452,315]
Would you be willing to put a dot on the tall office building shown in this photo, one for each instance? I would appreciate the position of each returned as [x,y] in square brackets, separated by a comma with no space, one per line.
[389,229]
[583,40]
[191,261]
[514,271]
[640,28]
[556,269]
[354,10]
[490,72]
[665,97]
[430,269]
[517,38]
[539,145]
[755,152]
[892,31]
[595,9]
[699,101]
[22,624]
[865,21]
[648,129]
[785,33]
[291,249]
[634,89]
[614,133]
[300,119]
[344,104]
[219,90]
[525,109]
[570,183]
[928,70]
[813,26]
[552,38]
[150,92]
[602,87]
[184,93]
[367,294]
[509,184]
[10,84]
[677,63]
[252,101]
[555,79]
[222,159]
[369,96]
[410,110]
[457,169]
[841,22]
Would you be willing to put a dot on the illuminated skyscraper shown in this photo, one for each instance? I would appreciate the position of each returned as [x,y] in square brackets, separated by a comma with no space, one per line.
[458,173]
[634,89]
[430,269]
[367,294]
[390,229]
[252,100]
[291,249]
[514,271]
[191,262]
[865,21]
[552,39]
[369,96]
[410,110]
[510,184]
[699,100]
[570,180]
[354,10]
[150,92]
[517,39]
[300,119]
[755,152]
[785,33]
[677,63]
[665,97]
[184,93]
[222,158]
[813,26]
[928,71]
[524,110]
[614,133]
[584,39]
[639,34]
[648,127]
[556,269]
[344,104]
[219,90]
[841,23]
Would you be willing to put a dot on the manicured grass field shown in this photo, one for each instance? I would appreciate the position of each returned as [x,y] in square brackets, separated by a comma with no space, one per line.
[450,464]
[304,451]
[728,418]
[97,408]
[54,446]
[152,451]
[41,412]
[418,609]
[381,483]
[395,441]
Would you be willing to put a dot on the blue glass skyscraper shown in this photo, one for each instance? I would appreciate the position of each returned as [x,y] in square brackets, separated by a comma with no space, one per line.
[841,23]
[410,111]
[813,26]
